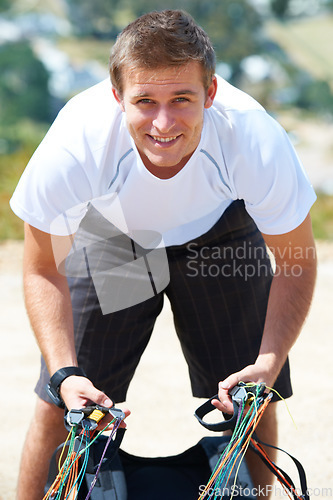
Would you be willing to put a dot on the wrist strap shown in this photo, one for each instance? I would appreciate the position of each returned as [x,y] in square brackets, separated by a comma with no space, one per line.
[225,425]
[57,379]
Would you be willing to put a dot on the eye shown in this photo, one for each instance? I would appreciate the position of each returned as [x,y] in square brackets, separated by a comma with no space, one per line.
[182,99]
[144,101]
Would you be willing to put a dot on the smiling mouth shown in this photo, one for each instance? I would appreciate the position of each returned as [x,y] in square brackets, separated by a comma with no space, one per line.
[164,139]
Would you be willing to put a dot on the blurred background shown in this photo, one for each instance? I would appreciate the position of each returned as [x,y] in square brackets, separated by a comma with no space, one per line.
[279,51]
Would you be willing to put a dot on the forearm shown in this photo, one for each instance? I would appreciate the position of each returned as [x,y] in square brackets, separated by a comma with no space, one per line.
[289,303]
[49,308]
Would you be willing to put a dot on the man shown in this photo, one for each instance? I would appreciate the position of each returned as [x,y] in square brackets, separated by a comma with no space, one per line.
[175,166]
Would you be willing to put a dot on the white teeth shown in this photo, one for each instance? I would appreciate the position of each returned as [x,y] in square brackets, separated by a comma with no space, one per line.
[164,139]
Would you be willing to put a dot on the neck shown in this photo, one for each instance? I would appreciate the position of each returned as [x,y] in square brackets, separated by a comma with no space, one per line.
[164,172]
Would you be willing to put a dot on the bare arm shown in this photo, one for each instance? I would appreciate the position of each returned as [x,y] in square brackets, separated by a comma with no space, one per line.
[49,308]
[289,302]
[47,301]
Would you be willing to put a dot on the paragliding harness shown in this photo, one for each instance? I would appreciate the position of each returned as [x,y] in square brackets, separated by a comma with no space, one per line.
[96,467]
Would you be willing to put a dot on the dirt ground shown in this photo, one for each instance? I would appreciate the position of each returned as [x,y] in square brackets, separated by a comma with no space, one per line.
[162,419]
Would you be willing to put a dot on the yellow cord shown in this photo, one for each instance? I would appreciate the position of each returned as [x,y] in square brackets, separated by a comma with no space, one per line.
[253,384]
[282,399]
[63,450]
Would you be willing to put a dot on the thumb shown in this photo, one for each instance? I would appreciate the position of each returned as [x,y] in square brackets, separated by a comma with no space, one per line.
[99,397]
[80,391]
[224,403]
[230,381]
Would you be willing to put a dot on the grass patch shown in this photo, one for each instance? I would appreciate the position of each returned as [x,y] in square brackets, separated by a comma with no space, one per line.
[18,143]
[322,217]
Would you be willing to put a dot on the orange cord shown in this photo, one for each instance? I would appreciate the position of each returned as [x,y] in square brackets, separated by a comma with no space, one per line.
[280,477]
[256,420]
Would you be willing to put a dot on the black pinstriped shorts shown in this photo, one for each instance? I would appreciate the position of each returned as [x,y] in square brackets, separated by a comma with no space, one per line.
[218,290]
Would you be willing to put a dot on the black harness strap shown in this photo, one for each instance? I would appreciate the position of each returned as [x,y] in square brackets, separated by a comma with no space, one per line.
[285,479]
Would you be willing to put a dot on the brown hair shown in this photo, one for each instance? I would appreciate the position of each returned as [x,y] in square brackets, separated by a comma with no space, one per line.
[161,39]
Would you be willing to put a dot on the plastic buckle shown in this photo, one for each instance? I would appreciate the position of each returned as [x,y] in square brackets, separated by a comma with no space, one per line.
[242,392]
[83,416]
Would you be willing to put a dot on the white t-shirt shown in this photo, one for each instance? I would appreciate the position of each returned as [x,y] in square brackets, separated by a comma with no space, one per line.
[89,157]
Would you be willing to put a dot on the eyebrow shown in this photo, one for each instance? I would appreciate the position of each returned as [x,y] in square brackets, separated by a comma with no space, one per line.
[175,94]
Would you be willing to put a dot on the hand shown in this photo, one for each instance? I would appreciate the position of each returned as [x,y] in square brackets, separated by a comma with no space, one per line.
[257,373]
[78,392]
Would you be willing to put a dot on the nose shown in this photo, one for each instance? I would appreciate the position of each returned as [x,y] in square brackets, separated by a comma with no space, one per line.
[164,119]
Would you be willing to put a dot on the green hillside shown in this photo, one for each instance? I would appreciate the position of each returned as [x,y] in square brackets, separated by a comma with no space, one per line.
[309,43]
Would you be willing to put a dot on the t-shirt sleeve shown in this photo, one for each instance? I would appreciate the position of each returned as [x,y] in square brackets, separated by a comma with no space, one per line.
[268,175]
[53,191]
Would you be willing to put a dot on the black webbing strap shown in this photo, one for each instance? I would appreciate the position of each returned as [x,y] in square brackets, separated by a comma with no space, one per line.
[225,425]
[285,479]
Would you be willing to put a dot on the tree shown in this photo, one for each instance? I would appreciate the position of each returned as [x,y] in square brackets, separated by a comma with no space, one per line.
[23,84]
[95,18]
[280,7]
[233,25]
[4,5]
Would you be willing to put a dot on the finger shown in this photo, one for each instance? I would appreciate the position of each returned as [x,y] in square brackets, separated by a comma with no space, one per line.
[224,406]
[225,386]
[93,395]
[79,391]
[225,402]
[230,382]
[108,419]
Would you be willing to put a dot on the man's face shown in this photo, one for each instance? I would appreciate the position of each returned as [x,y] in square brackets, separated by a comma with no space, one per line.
[164,112]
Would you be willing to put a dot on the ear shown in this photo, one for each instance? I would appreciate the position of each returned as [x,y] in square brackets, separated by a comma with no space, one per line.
[211,93]
[118,98]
